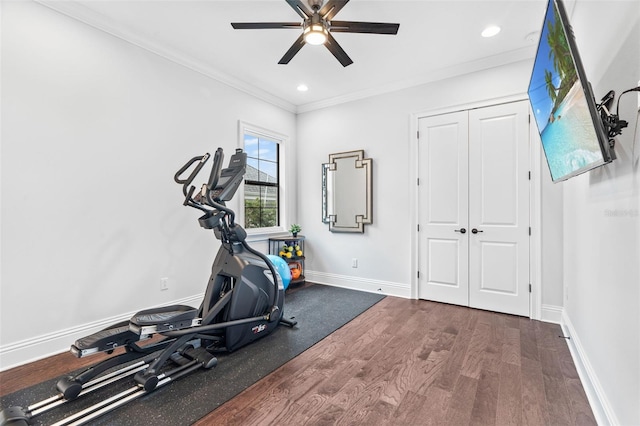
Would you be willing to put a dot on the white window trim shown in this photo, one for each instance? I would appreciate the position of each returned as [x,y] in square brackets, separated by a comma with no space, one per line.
[255,234]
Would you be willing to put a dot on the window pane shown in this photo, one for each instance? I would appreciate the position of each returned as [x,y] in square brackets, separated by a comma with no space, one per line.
[270,197]
[251,146]
[252,196]
[269,218]
[268,150]
[252,219]
[260,206]
[261,202]
[270,207]
[252,172]
[252,206]
[268,171]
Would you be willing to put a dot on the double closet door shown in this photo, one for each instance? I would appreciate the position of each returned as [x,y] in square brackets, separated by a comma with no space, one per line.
[474,208]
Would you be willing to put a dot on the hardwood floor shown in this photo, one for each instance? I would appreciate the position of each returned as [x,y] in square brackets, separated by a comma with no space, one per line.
[406,362]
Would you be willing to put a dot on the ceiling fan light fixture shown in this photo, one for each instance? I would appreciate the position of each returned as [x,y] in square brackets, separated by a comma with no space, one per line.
[315,34]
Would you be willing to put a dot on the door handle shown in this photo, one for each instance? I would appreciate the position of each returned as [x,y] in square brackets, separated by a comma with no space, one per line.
[461,230]
[475,231]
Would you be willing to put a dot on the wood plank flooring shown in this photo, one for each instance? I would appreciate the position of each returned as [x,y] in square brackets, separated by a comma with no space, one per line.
[405,362]
[409,362]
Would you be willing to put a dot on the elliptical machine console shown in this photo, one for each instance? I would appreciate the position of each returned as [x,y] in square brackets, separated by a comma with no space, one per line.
[243,302]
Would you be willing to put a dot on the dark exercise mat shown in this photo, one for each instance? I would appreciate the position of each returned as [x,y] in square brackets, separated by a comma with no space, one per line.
[319,310]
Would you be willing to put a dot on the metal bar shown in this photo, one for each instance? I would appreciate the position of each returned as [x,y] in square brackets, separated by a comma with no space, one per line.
[89,410]
[51,406]
[115,373]
[112,380]
[44,402]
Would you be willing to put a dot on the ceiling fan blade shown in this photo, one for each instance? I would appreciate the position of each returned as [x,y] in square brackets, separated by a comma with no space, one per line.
[263,25]
[332,7]
[300,8]
[295,48]
[364,27]
[337,51]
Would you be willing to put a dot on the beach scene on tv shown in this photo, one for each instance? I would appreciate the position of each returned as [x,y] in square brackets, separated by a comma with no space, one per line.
[560,107]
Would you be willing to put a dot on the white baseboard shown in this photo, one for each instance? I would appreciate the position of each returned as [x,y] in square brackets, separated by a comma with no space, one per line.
[551,313]
[600,405]
[43,346]
[362,284]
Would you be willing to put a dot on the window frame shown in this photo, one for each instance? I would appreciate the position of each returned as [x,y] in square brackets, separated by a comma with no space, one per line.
[281,139]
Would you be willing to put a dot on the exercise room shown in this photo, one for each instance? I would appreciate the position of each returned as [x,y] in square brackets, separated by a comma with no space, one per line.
[320,212]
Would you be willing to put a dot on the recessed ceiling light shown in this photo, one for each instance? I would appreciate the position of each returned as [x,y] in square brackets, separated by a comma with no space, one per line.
[302,88]
[490,31]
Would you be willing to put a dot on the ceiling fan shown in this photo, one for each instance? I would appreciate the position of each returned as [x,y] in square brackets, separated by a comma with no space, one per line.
[317,26]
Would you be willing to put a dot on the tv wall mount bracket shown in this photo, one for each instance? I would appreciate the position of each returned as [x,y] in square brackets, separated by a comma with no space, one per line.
[612,123]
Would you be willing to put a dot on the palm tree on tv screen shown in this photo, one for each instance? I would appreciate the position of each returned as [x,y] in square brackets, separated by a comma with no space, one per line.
[560,54]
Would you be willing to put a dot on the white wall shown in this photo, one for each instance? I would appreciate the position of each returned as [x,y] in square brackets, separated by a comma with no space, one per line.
[602,225]
[93,130]
[551,222]
[381,126]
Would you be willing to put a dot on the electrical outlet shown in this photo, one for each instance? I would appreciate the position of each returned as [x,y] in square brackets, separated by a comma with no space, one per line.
[164,283]
[354,262]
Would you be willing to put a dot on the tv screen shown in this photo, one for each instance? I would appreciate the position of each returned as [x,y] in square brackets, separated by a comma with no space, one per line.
[565,111]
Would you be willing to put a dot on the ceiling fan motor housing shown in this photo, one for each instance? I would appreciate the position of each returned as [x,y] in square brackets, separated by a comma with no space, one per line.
[315,5]
[315,19]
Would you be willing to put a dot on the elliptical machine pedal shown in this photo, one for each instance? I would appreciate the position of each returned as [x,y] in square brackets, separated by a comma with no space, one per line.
[159,320]
[104,341]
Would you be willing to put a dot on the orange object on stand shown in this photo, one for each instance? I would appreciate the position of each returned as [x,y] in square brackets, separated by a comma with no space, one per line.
[296,270]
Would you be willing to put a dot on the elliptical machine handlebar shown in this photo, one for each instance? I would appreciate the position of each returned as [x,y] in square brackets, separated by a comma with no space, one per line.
[188,189]
[186,182]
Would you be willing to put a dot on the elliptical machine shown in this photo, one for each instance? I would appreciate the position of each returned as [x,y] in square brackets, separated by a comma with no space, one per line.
[243,302]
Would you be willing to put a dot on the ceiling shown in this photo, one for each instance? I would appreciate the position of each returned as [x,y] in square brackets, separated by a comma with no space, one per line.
[436,39]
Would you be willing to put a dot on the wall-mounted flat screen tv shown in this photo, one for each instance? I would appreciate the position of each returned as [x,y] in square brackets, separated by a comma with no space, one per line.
[565,111]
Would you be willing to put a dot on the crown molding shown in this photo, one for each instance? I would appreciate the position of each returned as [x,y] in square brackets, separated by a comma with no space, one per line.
[79,12]
[101,22]
[524,54]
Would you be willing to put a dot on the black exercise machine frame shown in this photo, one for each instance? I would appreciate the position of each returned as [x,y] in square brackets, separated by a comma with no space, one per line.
[184,335]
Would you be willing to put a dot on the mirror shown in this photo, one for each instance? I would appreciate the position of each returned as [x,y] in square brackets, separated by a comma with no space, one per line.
[346,192]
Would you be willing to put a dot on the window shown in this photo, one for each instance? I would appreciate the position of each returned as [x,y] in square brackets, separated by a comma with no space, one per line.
[261,181]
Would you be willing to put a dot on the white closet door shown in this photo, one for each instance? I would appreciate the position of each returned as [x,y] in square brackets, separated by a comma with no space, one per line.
[474,208]
[499,208]
[443,207]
